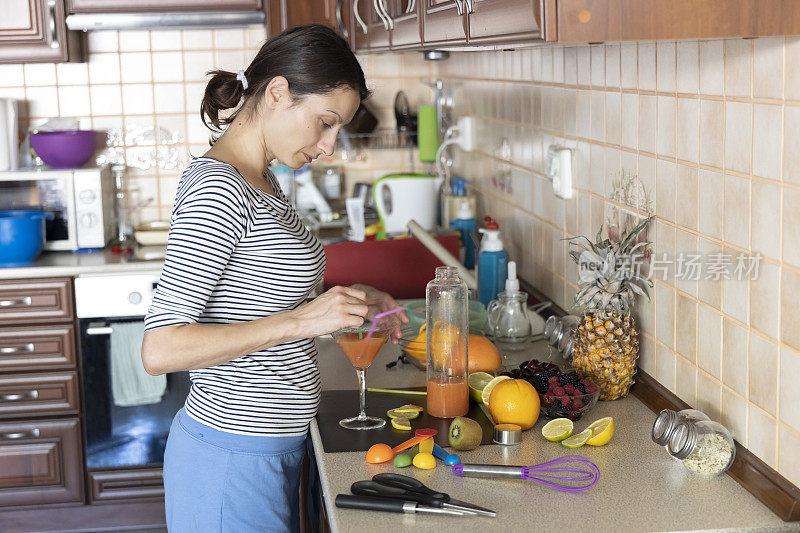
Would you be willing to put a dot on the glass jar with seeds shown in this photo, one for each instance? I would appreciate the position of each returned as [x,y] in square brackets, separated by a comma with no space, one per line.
[705,447]
[668,420]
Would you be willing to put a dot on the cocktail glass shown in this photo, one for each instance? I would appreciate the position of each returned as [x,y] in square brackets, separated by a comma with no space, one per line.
[361,349]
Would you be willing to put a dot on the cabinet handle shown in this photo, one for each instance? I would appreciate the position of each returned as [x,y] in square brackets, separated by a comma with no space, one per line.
[358,17]
[339,21]
[459,7]
[18,302]
[21,435]
[410,7]
[469,6]
[17,349]
[51,4]
[30,395]
[386,13]
[380,14]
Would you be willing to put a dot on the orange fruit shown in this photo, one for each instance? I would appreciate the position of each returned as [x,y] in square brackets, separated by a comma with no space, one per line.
[514,401]
[483,356]
[447,348]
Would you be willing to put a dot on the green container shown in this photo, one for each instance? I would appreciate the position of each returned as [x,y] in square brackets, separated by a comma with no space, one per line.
[427,133]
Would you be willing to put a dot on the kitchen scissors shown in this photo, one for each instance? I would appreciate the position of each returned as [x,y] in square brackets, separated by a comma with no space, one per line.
[400,487]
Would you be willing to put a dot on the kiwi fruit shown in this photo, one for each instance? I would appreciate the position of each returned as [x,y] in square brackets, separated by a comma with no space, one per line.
[464,434]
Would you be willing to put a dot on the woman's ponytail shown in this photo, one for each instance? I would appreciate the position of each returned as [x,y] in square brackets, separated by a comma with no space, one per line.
[224,91]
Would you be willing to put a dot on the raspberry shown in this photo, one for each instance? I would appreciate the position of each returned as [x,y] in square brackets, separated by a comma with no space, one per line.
[558,391]
[577,403]
[565,401]
[591,389]
[569,389]
[553,380]
[549,398]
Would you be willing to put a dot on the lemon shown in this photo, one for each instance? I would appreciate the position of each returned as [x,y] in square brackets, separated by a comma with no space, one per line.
[602,431]
[487,390]
[557,429]
[408,408]
[477,382]
[394,413]
[401,423]
[575,441]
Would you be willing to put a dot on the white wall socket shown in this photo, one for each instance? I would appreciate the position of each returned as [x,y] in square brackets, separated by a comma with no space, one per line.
[558,168]
[467,133]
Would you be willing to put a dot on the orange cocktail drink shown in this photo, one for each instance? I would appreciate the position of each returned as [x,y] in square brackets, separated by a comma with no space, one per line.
[361,350]
[448,396]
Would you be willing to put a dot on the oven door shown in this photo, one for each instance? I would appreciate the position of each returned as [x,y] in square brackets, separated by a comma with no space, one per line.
[122,437]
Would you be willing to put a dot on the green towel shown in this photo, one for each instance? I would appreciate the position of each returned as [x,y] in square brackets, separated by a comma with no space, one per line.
[130,384]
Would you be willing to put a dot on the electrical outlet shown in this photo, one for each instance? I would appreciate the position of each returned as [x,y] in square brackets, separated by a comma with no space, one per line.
[559,170]
[468,133]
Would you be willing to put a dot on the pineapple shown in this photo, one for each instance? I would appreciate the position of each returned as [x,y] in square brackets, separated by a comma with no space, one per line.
[606,342]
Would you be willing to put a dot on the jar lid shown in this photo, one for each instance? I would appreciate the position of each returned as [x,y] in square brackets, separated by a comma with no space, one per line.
[507,434]
[683,440]
[663,426]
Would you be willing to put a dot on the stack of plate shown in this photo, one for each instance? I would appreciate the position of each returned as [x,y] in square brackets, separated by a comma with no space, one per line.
[152,233]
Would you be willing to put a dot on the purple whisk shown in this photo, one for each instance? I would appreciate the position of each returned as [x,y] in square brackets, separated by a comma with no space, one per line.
[555,474]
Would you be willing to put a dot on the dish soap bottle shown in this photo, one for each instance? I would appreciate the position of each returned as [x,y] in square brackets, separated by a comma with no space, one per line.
[492,263]
[465,224]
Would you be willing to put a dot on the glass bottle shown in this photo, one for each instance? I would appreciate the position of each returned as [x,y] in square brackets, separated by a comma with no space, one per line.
[705,447]
[668,420]
[508,317]
[447,333]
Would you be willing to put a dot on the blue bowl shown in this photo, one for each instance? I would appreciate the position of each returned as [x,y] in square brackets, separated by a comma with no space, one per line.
[21,237]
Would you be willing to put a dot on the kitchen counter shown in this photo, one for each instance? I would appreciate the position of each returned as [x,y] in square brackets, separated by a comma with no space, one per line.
[51,264]
[640,487]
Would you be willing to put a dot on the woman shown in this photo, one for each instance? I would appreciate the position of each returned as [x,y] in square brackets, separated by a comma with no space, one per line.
[229,305]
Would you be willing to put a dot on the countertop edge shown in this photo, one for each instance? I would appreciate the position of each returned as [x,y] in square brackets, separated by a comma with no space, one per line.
[327,501]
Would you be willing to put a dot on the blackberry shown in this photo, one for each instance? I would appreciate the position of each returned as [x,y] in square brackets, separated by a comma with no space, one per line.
[539,382]
[581,387]
[572,378]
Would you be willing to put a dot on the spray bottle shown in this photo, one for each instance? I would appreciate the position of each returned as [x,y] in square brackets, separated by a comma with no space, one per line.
[465,224]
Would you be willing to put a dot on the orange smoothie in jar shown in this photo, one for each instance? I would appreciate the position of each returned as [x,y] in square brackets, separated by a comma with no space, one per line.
[448,397]
[361,351]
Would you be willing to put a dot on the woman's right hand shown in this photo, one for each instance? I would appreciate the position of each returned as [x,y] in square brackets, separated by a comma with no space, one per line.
[336,308]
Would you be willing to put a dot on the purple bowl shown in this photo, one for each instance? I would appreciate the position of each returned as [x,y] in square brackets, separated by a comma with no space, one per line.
[64,149]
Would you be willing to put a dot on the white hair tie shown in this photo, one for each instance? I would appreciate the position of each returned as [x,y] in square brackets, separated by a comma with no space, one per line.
[242,78]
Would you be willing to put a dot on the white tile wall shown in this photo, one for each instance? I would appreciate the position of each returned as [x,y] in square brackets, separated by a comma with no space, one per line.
[709,127]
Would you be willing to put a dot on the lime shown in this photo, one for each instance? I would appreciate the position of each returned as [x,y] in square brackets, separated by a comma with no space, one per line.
[487,390]
[409,408]
[477,382]
[394,413]
[575,441]
[602,431]
[557,429]
[403,423]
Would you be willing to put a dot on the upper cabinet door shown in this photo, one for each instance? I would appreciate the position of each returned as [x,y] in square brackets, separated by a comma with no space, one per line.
[129,6]
[632,20]
[407,31]
[34,31]
[378,25]
[504,20]
[443,22]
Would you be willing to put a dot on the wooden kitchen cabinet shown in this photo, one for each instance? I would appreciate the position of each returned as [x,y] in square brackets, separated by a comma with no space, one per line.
[504,20]
[35,31]
[132,6]
[26,348]
[285,14]
[36,301]
[407,31]
[43,394]
[629,20]
[443,22]
[40,462]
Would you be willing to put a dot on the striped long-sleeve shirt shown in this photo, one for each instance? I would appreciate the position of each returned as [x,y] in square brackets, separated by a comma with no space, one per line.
[235,254]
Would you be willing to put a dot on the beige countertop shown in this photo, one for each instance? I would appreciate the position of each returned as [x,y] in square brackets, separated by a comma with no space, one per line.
[640,487]
[51,264]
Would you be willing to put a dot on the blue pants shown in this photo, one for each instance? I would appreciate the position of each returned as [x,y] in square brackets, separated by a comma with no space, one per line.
[222,482]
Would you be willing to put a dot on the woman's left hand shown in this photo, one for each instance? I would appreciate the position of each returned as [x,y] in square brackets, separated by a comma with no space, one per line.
[378,302]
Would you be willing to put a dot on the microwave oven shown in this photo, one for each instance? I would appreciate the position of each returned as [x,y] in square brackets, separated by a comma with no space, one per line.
[80,202]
